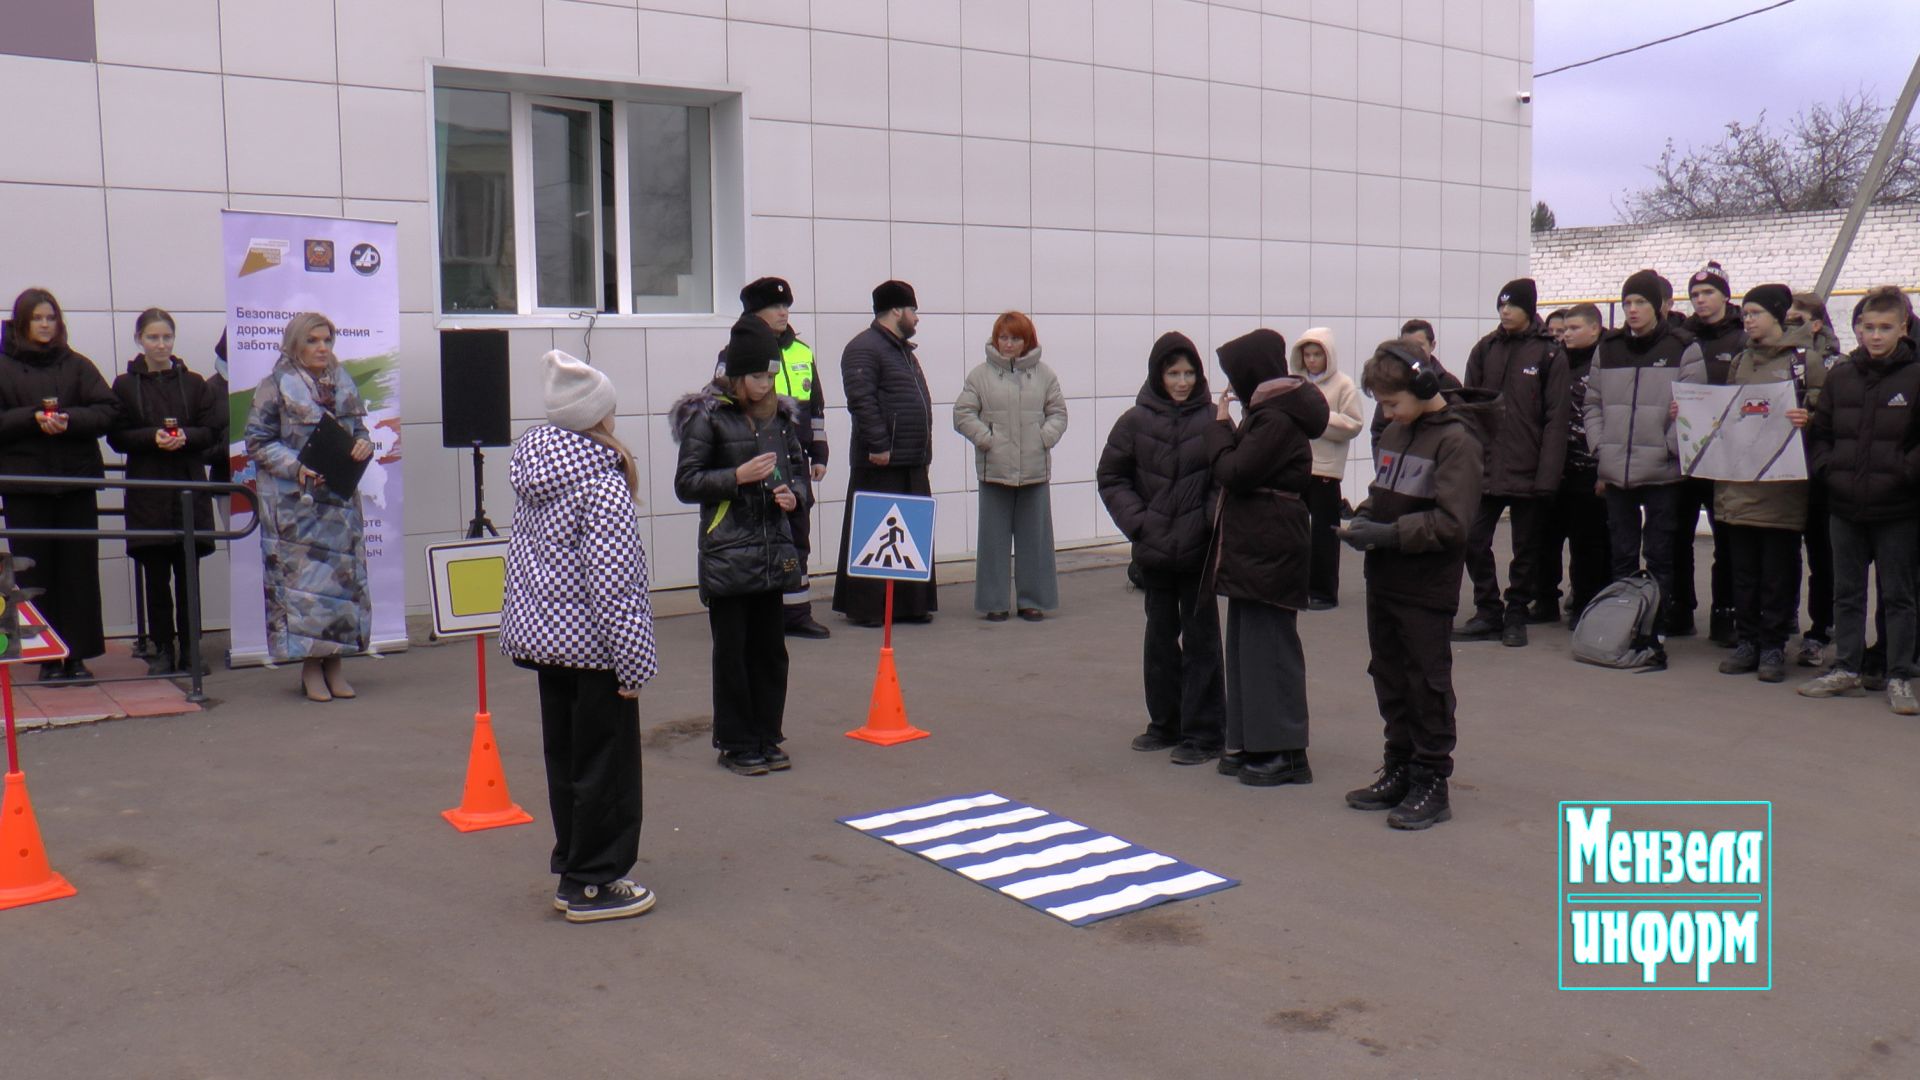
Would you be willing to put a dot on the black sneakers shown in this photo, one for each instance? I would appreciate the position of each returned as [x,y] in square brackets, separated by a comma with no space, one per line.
[1426,803]
[1193,754]
[1745,660]
[1478,628]
[620,899]
[1149,741]
[777,758]
[1384,793]
[1514,634]
[1272,770]
[744,762]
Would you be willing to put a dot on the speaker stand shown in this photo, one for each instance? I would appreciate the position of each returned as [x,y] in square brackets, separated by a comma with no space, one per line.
[480,526]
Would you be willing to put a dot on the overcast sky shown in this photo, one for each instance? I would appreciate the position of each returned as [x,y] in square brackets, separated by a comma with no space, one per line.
[1596,128]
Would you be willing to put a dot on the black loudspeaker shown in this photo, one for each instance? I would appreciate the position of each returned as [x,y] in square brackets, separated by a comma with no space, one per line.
[474,396]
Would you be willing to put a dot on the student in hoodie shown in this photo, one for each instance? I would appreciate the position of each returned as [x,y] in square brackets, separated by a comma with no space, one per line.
[168,421]
[1416,336]
[1717,326]
[770,299]
[577,612]
[1823,351]
[1314,359]
[1761,522]
[1156,478]
[1429,466]
[1521,363]
[1260,553]
[742,460]
[1577,521]
[1629,422]
[1864,445]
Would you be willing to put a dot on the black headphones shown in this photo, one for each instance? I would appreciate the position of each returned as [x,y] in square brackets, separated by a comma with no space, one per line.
[1426,384]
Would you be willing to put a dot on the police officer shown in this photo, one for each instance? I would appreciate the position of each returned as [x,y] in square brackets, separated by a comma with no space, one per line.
[769,299]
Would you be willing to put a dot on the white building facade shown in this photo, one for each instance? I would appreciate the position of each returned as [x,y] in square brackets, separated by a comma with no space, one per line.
[1116,168]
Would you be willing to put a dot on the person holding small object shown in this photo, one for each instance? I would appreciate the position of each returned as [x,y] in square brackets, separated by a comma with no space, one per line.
[577,612]
[742,460]
[54,407]
[312,538]
[168,421]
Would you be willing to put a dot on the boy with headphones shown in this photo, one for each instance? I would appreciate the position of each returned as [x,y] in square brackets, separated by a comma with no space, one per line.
[1413,526]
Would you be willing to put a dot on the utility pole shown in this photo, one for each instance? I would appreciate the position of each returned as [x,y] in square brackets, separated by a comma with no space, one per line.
[1869,184]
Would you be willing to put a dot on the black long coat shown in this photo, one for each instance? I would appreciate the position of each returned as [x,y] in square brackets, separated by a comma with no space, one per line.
[147,399]
[887,396]
[27,377]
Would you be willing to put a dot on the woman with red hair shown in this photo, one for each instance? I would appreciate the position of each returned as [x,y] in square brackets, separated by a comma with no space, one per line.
[1013,413]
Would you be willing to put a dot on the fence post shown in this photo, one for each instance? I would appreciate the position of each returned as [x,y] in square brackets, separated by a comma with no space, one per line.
[191,565]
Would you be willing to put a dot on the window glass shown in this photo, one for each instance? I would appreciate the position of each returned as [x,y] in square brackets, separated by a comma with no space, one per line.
[564,205]
[669,208]
[475,135]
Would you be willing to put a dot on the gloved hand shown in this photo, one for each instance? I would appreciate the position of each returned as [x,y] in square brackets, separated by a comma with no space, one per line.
[1364,535]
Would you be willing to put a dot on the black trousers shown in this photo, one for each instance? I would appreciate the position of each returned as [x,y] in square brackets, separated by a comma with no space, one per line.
[591,738]
[1765,564]
[749,670]
[69,570]
[1696,495]
[1266,678]
[1528,514]
[163,577]
[1323,573]
[1891,548]
[1412,669]
[1819,541]
[1640,523]
[1577,523]
[1186,690]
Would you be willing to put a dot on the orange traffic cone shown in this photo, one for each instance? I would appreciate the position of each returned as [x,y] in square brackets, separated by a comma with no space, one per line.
[25,877]
[486,804]
[887,713]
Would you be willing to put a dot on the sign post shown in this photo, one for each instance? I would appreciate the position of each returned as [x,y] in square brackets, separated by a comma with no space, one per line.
[894,538]
[468,581]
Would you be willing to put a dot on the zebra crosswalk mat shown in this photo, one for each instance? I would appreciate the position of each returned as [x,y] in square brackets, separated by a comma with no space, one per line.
[1070,871]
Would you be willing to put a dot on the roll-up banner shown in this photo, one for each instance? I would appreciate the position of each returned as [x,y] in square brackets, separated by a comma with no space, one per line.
[278,265]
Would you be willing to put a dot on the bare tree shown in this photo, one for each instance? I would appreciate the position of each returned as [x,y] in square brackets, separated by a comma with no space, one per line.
[1816,163]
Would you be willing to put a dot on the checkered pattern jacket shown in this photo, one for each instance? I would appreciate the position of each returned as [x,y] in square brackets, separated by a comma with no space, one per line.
[576,574]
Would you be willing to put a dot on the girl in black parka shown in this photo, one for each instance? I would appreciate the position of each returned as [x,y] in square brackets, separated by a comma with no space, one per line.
[168,421]
[1156,478]
[54,407]
[741,460]
[1260,554]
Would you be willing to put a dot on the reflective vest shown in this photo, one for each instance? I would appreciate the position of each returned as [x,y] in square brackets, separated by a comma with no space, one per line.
[795,378]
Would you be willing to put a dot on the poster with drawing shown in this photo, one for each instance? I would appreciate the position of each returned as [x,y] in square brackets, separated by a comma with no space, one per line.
[1739,432]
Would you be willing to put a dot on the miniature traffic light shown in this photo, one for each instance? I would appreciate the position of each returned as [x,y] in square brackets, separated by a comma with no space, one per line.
[11,597]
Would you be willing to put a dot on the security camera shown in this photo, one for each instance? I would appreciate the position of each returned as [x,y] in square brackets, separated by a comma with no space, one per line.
[1525,96]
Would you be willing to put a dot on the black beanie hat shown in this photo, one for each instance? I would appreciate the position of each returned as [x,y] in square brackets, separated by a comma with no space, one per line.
[1521,293]
[1252,359]
[1777,299]
[1645,284]
[893,294]
[1710,274]
[754,349]
[764,293]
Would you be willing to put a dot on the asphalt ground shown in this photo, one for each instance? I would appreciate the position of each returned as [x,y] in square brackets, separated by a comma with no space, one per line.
[268,890]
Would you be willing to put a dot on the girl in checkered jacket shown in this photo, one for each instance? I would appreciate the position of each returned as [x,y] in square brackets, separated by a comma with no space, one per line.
[577,612]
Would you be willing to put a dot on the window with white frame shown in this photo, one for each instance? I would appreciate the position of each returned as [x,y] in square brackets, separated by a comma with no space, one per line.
[562,201]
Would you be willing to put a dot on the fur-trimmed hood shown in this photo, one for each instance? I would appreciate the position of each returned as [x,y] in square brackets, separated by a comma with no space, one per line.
[713,397]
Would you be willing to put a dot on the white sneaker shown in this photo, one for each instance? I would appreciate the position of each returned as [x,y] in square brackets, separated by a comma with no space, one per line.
[1900,698]
[1836,683]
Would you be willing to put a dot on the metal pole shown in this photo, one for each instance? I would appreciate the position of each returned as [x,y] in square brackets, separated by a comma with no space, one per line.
[188,544]
[1869,184]
[6,691]
[142,647]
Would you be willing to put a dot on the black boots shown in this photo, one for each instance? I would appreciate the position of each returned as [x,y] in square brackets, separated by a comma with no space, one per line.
[1478,628]
[1426,803]
[1514,634]
[1384,793]
[1270,770]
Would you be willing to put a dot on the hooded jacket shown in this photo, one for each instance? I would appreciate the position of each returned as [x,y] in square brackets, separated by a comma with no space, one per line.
[147,400]
[1864,440]
[1263,468]
[887,397]
[746,540]
[1580,460]
[1629,392]
[1528,370]
[576,591]
[29,375]
[1427,480]
[1013,413]
[1155,475]
[1720,342]
[809,398]
[1773,504]
[1344,418]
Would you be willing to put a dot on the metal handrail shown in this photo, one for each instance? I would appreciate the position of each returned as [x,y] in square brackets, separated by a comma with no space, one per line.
[188,536]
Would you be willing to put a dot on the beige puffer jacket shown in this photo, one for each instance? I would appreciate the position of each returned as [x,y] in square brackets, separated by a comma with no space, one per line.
[1344,418]
[1013,413]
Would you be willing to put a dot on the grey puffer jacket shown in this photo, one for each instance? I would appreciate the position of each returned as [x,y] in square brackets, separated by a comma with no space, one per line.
[576,573]
[746,540]
[1629,393]
[1013,413]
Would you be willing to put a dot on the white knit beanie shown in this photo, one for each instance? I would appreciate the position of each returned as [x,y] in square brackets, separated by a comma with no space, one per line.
[578,396]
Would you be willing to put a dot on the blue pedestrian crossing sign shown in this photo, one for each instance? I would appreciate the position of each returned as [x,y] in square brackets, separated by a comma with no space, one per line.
[891,537]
